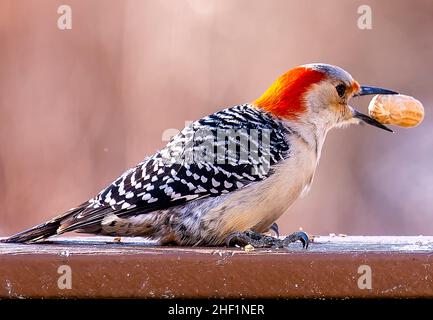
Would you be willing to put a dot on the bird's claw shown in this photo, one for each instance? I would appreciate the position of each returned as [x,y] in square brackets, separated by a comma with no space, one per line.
[300,235]
[259,240]
[231,237]
[244,238]
[274,227]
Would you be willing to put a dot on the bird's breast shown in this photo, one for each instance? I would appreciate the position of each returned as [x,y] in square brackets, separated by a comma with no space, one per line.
[260,204]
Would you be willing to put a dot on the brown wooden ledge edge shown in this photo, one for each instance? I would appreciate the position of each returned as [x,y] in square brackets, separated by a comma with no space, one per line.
[330,268]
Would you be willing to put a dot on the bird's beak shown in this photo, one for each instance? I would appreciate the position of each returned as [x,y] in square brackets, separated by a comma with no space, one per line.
[367,90]
[369,120]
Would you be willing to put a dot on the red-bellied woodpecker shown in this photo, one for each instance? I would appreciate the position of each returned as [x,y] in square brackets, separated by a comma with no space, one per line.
[227,177]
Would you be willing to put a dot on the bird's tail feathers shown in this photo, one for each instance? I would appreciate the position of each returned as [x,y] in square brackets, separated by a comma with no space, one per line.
[44,230]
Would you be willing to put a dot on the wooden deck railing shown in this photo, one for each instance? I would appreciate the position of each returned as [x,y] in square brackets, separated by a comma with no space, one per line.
[332,267]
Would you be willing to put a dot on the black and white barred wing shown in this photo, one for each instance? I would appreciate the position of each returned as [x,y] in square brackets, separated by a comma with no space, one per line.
[213,156]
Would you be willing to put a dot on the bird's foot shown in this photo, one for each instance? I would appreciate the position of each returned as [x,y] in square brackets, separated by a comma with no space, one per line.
[258,240]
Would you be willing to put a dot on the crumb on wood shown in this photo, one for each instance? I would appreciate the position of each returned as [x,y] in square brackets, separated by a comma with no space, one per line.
[248,248]
[332,235]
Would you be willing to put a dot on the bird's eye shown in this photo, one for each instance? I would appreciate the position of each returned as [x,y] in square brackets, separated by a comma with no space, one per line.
[341,89]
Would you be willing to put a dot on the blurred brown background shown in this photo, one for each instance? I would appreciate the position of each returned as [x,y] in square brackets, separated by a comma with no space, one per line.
[78,107]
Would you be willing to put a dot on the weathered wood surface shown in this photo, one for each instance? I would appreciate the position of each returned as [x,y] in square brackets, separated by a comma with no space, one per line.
[331,267]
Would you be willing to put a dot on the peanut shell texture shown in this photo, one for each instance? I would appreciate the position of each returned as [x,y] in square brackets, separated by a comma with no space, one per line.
[396,109]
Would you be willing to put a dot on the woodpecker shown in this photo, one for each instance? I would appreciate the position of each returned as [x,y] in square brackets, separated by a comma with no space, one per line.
[226,178]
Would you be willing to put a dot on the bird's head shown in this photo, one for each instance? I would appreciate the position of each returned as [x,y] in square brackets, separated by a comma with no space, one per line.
[318,94]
